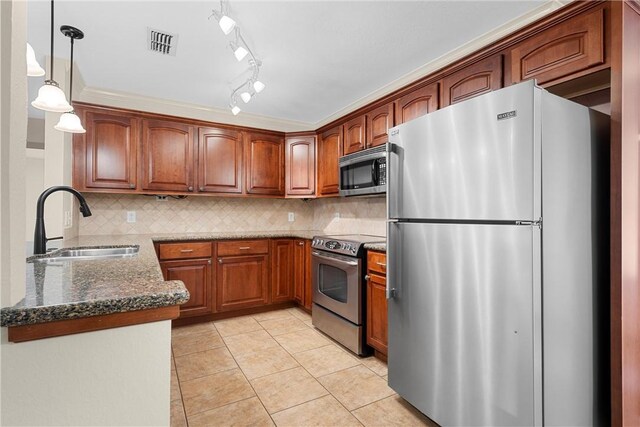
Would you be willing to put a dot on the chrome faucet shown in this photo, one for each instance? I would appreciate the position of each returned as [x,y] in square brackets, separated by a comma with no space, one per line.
[39,235]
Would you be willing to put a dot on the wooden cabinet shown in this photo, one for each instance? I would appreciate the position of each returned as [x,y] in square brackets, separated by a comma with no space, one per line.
[416,103]
[167,156]
[242,281]
[302,292]
[190,262]
[354,135]
[111,144]
[264,164]
[564,49]
[328,154]
[378,123]
[476,79]
[377,325]
[282,270]
[300,161]
[219,161]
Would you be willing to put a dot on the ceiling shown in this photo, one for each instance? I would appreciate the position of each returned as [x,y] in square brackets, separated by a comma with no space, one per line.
[318,56]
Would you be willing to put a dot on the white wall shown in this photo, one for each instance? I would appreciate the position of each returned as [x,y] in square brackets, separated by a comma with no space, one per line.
[115,377]
[34,185]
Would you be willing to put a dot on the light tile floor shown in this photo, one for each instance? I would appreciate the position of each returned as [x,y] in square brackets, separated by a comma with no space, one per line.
[275,368]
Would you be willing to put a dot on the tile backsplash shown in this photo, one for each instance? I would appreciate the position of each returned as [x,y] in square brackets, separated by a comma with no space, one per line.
[210,214]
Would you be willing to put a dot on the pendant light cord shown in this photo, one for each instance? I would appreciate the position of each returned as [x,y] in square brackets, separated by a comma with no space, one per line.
[51,59]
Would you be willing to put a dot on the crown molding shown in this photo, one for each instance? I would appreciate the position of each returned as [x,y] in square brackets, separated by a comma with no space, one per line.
[118,99]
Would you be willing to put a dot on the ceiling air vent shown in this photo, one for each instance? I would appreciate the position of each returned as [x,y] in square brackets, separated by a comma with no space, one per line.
[162,42]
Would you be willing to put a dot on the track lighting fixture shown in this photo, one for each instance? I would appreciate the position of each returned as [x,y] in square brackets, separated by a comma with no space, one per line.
[33,68]
[50,96]
[70,122]
[247,90]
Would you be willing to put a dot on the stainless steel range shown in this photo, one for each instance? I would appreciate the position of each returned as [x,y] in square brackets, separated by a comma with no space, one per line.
[338,268]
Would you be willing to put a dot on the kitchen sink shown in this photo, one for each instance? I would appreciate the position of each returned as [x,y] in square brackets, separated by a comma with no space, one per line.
[89,253]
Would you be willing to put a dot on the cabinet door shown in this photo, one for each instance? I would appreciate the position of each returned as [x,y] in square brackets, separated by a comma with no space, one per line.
[111,144]
[417,103]
[167,156]
[564,49]
[265,164]
[281,270]
[301,166]
[378,123]
[377,313]
[299,271]
[196,276]
[219,160]
[354,135]
[328,154]
[242,282]
[474,80]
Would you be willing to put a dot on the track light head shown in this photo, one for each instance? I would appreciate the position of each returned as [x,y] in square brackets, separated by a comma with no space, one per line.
[226,24]
[235,110]
[258,86]
[239,51]
[246,97]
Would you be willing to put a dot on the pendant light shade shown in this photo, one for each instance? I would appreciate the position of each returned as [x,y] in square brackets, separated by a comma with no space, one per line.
[245,96]
[70,122]
[33,68]
[51,98]
[258,86]
[235,110]
[226,24]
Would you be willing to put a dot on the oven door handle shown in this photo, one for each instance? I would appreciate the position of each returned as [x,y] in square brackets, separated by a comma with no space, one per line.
[340,260]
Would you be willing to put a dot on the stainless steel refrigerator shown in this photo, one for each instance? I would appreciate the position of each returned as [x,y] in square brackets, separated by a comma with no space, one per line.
[497,259]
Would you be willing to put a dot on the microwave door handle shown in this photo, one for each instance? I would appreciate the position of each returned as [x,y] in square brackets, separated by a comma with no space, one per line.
[374,172]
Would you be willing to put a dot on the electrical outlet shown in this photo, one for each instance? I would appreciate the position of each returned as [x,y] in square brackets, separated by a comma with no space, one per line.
[131,216]
[336,215]
[68,219]
[292,216]
[161,198]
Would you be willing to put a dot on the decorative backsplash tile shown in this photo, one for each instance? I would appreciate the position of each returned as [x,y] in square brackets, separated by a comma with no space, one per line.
[207,214]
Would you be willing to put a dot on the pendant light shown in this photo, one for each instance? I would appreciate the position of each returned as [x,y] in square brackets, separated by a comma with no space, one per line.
[33,68]
[70,122]
[50,96]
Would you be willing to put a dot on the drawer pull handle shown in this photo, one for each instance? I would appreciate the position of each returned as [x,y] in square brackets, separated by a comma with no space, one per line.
[382,264]
[244,248]
[186,251]
[300,243]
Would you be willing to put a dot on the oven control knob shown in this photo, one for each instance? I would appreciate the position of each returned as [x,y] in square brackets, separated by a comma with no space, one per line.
[353,251]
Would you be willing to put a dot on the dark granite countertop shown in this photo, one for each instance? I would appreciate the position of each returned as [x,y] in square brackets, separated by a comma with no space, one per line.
[83,288]
[382,247]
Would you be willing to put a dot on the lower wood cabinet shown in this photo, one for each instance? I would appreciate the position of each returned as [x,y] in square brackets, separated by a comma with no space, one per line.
[377,302]
[196,276]
[242,282]
[302,290]
[282,264]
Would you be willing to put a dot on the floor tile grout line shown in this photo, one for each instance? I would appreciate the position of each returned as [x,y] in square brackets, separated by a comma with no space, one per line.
[184,409]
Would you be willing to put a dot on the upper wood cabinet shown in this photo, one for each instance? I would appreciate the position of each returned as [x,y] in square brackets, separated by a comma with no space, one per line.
[219,160]
[167,156]
[476,79]
[282,258]
[264,164]
[379,121]
[354,135]
[110,152]
[564,49]
[328,154]
[300,160]
[417,103]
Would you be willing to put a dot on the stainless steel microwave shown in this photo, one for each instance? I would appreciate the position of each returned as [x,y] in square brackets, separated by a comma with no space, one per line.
[364,173]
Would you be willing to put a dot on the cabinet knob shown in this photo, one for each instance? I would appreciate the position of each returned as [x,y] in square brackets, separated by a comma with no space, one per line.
[367,277]
[190,188]
[219,260]
[209,262]
[132,185]
[201,188]
[300,243]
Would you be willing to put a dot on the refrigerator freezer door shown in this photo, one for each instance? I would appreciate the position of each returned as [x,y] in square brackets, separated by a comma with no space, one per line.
[477,160]
[461,323]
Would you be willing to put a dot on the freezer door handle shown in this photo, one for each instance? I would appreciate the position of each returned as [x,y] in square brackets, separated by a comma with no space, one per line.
[390,290]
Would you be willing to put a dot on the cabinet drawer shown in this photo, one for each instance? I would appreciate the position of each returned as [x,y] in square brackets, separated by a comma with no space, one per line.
[243,247]
[377,261]
[185,250]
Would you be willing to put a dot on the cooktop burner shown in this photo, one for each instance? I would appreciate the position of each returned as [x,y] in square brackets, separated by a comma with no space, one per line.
[345,244]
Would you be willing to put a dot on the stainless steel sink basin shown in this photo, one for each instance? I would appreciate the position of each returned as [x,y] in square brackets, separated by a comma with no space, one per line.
[89,253]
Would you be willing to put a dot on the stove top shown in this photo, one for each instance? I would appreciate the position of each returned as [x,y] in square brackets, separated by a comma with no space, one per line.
[345,244]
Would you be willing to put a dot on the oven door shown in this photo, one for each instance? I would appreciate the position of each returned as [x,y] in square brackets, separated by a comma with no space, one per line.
[337,284]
